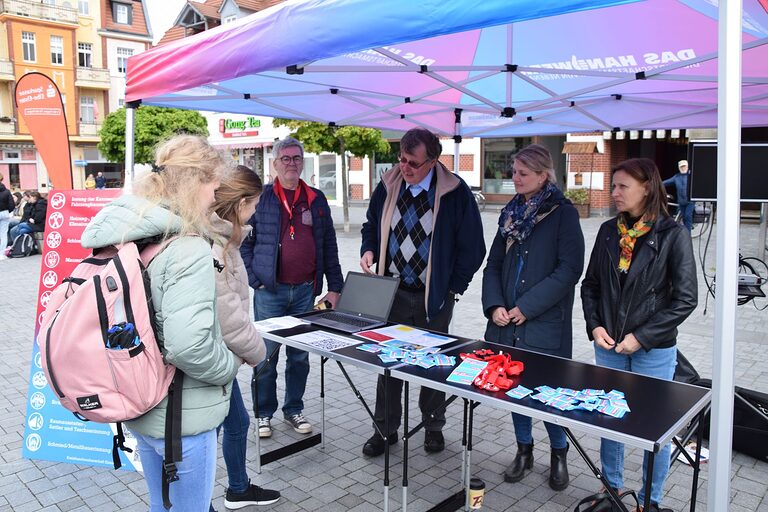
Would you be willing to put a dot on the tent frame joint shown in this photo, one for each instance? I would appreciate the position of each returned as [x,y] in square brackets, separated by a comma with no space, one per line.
[510,68]
[508,112]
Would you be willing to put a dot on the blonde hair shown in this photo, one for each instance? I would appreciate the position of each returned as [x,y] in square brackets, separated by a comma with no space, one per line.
[236,185]
[183,164]
[537,158]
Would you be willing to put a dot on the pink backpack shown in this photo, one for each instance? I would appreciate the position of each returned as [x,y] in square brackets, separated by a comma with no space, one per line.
[102,314]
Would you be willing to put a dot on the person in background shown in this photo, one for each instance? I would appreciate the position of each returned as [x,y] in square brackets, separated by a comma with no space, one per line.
[639,286]
[33,219]
[175,199]
[533,266]
[7,204]
[292,248]
[90,182]
[681,183]
[423,227]
[236,200]
[101,181]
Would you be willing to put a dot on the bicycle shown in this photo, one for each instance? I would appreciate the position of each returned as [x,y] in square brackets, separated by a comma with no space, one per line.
[702,216]
[479,198]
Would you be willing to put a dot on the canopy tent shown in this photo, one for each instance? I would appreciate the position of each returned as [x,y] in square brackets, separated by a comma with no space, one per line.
[400,64]
[495,68]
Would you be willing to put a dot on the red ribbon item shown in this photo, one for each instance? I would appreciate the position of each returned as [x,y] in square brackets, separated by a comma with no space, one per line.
[499,367]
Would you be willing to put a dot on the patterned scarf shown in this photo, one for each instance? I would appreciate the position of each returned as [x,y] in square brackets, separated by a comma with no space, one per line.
[519,216]
[628,239]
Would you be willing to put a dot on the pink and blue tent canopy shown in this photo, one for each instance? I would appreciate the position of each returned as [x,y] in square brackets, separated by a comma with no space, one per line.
[511,68]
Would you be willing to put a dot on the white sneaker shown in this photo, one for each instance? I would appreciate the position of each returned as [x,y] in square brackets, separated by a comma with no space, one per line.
[265,427]
[299,423]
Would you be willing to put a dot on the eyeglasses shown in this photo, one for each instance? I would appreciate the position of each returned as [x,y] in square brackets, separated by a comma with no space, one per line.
[291,159]
[411,163]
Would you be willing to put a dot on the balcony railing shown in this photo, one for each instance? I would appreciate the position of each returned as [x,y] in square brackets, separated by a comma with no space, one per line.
[6,70]
[39,10]
[89,129]
[97,78]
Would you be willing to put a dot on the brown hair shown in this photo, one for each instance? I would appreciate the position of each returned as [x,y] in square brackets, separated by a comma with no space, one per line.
[183,164]
[415,137]
[538,159]
[236,185]
[645,171]
[34,194]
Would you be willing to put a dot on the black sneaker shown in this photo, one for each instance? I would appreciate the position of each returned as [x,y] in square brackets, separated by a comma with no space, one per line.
[254,495]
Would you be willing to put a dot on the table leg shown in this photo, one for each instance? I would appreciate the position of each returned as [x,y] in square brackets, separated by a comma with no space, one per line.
[387,375]
[464,442]
[323,360]
[405,444]
[596,471]
[649,481]
[697,464]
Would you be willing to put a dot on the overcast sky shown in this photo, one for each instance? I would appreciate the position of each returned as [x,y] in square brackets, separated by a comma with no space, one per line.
[162,14]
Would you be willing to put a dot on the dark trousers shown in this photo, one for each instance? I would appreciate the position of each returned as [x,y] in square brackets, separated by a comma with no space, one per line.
[408,309]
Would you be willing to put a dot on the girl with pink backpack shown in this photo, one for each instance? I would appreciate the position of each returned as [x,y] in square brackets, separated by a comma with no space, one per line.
[173,202]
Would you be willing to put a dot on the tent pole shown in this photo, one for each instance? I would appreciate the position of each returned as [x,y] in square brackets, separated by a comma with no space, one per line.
[456,140]
[130,141]
[728,195]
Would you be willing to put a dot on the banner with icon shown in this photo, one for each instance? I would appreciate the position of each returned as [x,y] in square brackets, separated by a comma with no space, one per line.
[41,106]
[52,432]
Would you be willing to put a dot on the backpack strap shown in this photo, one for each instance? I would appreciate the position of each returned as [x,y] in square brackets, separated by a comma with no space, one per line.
[118,442]
[172,436]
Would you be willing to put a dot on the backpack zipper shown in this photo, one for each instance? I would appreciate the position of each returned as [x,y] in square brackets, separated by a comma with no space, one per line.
[54,384]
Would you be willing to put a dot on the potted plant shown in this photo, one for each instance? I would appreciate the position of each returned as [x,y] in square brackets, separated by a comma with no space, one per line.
[580,199]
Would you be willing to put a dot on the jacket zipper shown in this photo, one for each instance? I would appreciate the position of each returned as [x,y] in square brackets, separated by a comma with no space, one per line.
[618,282]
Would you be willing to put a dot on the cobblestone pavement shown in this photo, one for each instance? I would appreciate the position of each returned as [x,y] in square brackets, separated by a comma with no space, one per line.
[339,478]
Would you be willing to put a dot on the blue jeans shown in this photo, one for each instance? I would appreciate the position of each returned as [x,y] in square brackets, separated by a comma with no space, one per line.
[524,426]
[660,363]
[235,441]
[193,491]
[687,214]
[20,229]
[288,299]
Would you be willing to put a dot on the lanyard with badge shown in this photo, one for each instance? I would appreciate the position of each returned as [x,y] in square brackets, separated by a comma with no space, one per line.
[288,207]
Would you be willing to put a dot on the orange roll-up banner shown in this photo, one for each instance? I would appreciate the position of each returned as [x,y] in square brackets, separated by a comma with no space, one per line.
[38,102]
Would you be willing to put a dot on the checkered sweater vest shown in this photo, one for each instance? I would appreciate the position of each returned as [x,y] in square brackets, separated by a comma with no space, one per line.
[408,251]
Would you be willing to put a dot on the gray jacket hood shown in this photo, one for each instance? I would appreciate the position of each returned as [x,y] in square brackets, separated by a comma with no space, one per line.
[129,218]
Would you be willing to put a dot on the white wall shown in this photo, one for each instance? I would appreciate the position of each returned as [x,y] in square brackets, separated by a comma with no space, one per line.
[117,80]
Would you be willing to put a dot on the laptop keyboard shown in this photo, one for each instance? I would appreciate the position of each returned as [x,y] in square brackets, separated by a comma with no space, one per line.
[346,319]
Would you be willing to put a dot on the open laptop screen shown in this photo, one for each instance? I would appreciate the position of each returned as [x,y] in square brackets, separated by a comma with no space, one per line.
[367,295]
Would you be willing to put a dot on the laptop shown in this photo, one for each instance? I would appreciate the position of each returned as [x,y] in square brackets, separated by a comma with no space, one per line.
[365,303]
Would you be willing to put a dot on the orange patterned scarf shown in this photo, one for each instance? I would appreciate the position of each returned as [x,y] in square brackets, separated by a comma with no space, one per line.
[628,239]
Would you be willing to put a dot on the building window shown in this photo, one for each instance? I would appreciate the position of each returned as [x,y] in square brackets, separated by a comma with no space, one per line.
[87,109]
[28,46]
[49,2]
[122,14]
[84,55]
[122,59]
[229,19]
[83,7]
[121,102]
[57,50]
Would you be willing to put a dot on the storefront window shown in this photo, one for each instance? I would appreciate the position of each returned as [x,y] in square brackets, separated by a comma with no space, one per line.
[498,155]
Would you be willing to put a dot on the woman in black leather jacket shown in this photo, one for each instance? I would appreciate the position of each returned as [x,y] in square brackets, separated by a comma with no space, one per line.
[640,285]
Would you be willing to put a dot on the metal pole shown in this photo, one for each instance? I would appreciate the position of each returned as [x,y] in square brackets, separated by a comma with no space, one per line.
[763,227]
[130,121]
[728,191]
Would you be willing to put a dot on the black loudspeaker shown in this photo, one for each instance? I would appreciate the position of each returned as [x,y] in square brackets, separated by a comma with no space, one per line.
[750,421]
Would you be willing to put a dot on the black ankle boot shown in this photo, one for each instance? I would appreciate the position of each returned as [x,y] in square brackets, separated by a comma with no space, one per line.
[523,460]
[558,470]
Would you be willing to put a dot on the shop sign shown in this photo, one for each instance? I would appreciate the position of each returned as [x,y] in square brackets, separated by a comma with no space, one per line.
[240,127]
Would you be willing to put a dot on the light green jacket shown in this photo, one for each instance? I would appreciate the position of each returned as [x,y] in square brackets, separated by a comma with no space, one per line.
[184,298]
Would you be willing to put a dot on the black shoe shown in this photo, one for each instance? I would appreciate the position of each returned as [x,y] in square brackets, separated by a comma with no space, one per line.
[374,446]
[523,460]
[254,495]
[434,441]
[558,469]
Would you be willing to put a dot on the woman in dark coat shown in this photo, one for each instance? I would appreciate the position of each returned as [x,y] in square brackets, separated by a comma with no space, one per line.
[640,285]
[528,287]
